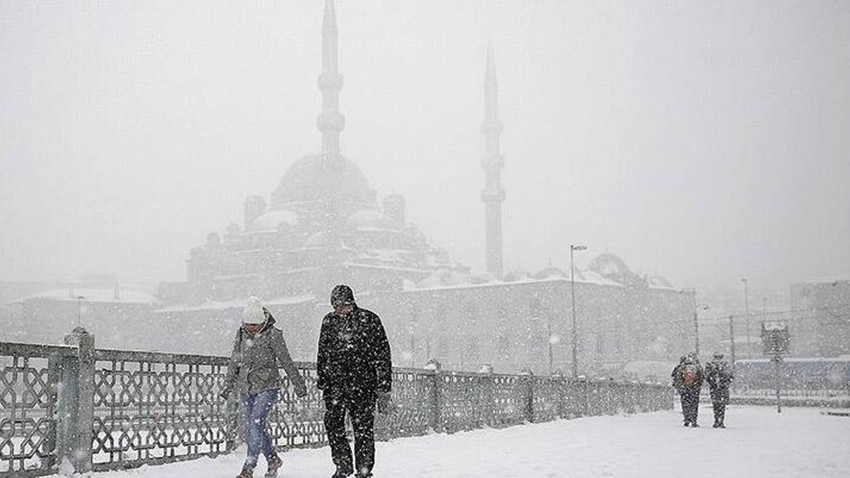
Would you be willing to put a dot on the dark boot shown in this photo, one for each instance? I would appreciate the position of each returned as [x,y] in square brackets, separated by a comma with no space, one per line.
[341,474]
[274,464]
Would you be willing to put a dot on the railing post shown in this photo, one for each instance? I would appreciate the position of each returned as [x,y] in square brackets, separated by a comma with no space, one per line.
[528,395]
[54,377]
[436,399]
[75,410]
[585,397]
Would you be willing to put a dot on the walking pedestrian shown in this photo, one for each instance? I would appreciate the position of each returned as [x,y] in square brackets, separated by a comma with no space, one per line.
[354,370]
[253,373]
[687,379]
[718,374]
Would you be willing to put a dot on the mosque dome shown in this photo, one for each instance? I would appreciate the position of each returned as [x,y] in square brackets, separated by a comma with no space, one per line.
[274,219]
[315,177]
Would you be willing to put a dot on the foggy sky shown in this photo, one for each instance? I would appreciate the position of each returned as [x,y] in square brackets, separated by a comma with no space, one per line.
[700,141]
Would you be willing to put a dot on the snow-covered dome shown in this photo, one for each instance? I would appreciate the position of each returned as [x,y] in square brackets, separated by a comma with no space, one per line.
[274,219]
[659,282]
[315,178]
[551,273]
[613,268]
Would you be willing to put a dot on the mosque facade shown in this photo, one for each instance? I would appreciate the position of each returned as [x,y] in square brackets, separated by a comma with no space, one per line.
[325,225]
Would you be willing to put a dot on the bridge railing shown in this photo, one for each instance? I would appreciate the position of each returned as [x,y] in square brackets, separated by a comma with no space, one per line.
[74,408]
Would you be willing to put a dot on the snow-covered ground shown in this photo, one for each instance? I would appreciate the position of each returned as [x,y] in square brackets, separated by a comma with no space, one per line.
[758,443]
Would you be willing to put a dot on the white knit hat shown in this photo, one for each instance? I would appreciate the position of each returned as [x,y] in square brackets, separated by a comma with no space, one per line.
[253,312]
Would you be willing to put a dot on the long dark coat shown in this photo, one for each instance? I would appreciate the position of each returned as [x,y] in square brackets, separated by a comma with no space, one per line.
[354,354]
[719,376]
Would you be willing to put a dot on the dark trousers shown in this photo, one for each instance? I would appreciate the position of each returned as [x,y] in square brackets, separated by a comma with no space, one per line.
[361,410]
[719,399]
[690,403]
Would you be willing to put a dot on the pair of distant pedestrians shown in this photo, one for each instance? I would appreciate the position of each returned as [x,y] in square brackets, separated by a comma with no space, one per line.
[688,377]
[354,371]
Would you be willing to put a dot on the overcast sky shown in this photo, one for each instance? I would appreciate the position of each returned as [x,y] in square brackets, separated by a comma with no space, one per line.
[700,141]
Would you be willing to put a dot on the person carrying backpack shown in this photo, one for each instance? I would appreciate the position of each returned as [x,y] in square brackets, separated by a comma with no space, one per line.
[718,374]
[687,379]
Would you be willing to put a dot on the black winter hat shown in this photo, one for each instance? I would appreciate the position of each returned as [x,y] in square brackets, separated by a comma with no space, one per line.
[342,295]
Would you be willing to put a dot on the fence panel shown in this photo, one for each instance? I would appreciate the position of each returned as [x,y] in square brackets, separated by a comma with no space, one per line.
[297,422]
[461,400]
[155,408]
[29,375]
[547,398]
[412,394]
[507,401]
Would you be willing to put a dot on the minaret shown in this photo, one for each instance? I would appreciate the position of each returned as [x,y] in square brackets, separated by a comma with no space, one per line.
[492,162]
[330,122]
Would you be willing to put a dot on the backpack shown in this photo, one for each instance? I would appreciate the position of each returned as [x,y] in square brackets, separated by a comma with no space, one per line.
[689,374]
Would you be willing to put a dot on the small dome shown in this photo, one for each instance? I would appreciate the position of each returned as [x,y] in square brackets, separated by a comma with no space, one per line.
[613,268]
[315,178]
[551,273]
[273,220]
[659,282]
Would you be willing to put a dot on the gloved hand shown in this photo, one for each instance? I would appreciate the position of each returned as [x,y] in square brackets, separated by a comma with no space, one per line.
[384,402]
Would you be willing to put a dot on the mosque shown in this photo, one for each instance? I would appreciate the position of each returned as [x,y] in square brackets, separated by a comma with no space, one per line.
[325,225]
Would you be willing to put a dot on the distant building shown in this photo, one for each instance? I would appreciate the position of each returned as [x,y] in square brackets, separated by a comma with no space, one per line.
[819,322]
[118,318]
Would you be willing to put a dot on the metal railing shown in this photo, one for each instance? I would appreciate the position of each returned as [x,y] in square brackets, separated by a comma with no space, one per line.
[74,408]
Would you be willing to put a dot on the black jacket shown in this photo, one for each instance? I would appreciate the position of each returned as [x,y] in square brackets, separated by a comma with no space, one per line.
[719,376]
[354,353]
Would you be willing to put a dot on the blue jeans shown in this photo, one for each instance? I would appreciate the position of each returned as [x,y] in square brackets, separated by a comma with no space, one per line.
[256,408]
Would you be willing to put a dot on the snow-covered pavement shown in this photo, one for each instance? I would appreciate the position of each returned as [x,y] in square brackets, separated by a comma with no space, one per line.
[758,443]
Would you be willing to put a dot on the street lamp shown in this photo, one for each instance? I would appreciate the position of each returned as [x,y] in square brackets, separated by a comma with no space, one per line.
[574,248]
[747,313]
[693,292]
[80,299]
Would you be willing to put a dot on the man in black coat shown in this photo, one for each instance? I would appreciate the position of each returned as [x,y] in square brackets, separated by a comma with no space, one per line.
[719,376]
[355,373]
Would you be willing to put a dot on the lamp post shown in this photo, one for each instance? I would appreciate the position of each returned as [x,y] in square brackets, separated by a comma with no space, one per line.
[574,248]
[549,336]
[693,293]
[747,313]
[80,299]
